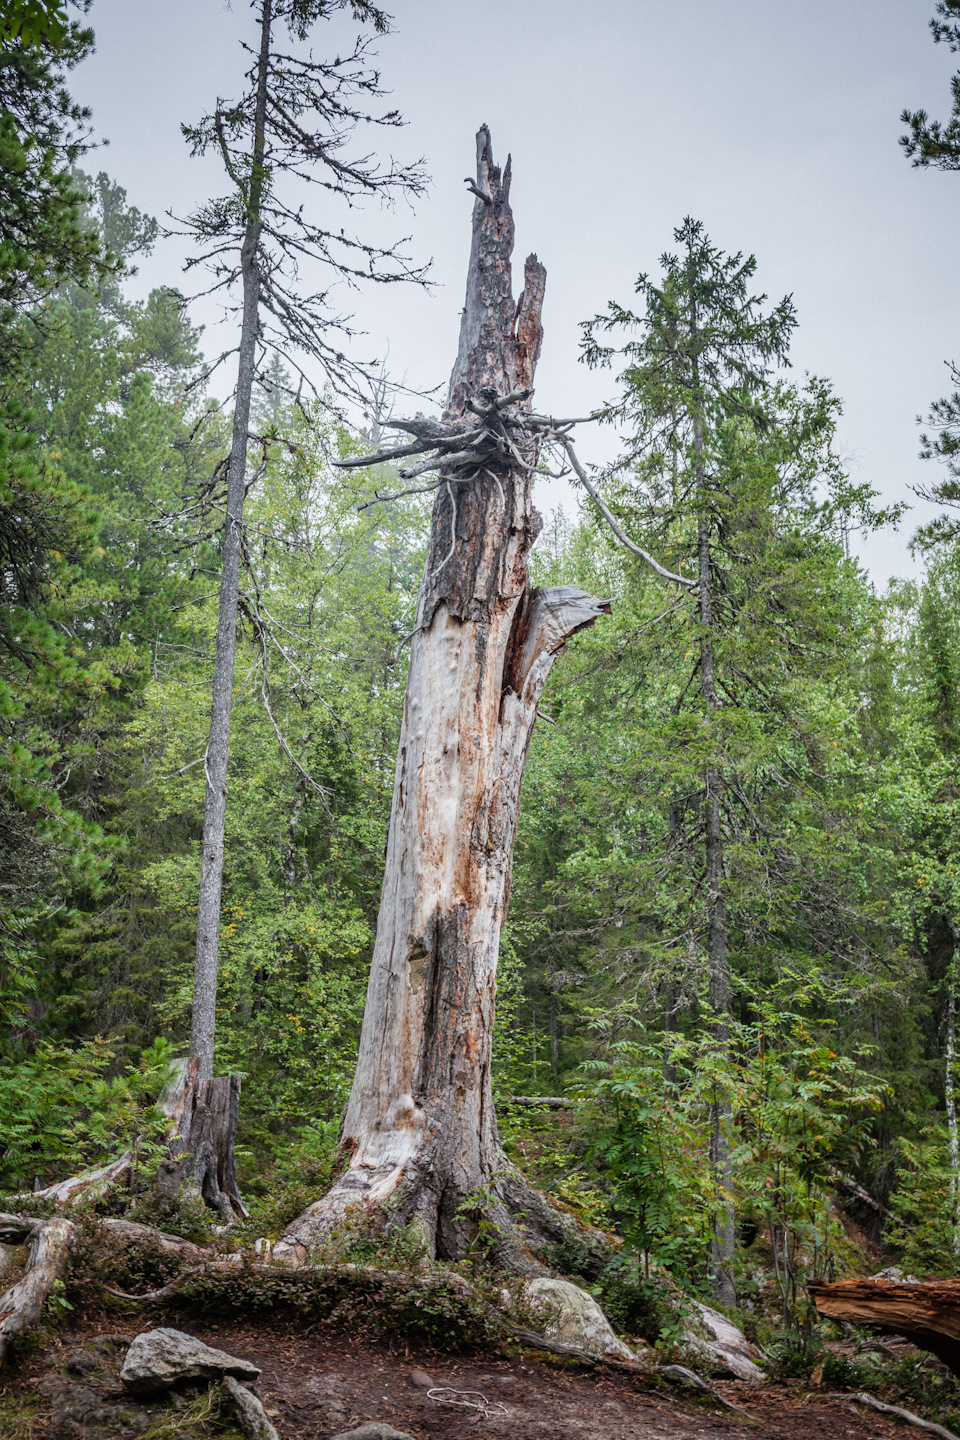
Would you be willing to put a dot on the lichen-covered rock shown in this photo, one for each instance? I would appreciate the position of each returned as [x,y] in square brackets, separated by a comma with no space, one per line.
[574,1317]
[160,1358]
[721,1346]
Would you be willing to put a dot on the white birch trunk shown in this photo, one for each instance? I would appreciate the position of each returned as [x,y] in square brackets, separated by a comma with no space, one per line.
[420,1128]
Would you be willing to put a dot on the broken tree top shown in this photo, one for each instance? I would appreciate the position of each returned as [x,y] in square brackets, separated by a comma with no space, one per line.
[488,433]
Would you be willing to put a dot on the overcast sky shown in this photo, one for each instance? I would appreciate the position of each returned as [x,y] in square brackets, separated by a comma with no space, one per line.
[773,121]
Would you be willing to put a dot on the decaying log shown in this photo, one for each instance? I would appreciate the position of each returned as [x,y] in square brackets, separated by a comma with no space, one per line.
[927,1312]
[91,1185]
[202,1116]
[420,1129]
[21,1307]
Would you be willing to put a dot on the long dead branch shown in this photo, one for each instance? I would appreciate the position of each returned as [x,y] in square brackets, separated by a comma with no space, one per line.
[617,529]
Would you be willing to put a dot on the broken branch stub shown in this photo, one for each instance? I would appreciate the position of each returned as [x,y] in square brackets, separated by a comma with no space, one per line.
[420,1129]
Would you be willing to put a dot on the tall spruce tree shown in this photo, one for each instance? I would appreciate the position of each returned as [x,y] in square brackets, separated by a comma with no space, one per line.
[720,473]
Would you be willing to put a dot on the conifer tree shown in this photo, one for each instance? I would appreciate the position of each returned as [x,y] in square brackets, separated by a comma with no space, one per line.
[719,473]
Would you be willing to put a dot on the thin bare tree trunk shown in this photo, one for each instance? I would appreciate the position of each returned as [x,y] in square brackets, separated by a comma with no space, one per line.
[420,1129]
[203,1029]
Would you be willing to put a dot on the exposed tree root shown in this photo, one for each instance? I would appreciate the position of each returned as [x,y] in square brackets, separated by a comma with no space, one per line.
[91,1185]
[248,1409]
[50,1242]
[511,1219]
[52,1239]
[862,1398]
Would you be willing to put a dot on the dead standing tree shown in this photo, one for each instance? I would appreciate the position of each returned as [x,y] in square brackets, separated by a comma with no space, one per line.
[420,1130]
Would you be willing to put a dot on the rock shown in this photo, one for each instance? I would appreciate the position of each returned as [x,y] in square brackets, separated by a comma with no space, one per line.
[376,1430]
[158,1359]
[251,1416]
[574,1317]
[81,1362]
[680,1375]
[724,1350]
[422,1380]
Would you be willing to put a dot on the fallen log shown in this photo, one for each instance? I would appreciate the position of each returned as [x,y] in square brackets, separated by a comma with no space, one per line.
[550,1102]
[21,1307]
[927,1312]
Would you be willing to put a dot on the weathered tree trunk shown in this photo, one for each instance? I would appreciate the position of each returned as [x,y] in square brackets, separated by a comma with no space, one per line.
[203,1027]
[420,1129]
[203,1124]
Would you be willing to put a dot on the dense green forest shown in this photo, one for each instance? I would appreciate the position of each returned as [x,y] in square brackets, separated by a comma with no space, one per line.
[733,941]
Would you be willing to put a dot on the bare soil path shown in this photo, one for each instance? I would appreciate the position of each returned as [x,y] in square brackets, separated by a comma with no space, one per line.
[318,1385]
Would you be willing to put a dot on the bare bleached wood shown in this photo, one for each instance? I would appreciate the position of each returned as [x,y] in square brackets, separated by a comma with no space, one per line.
[862,1398]
[87,1187]
[420,1129]
[21,1307]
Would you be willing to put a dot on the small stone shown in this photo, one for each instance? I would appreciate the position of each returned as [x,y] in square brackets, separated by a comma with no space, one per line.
[680,1375]
[81,1362]
[422,1380]
[375,1430]
[160,1358]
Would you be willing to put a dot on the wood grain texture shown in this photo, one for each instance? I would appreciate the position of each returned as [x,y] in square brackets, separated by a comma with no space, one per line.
[420,1129]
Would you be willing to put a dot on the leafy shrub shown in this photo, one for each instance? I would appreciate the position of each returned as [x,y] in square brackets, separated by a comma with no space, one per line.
[63,1111]
[633,1304]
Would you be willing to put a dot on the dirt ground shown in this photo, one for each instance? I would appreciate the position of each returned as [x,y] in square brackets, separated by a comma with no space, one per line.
[318,1386]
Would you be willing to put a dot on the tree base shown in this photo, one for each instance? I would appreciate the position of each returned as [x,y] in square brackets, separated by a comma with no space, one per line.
[517,1227]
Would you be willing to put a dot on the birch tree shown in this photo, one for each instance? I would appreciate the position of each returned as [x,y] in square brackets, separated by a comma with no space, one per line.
[290,127]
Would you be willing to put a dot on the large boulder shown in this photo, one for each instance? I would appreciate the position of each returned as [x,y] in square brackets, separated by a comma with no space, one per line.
[574,1318]
[159,1359]
[723,1349]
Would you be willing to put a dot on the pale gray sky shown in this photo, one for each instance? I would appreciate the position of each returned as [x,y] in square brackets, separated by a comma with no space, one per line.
[773,121]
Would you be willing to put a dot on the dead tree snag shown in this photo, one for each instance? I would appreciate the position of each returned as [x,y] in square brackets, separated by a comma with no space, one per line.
[202,1117]
[420,1130]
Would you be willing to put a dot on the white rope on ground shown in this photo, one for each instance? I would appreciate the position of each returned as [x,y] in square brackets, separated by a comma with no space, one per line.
[443,1395]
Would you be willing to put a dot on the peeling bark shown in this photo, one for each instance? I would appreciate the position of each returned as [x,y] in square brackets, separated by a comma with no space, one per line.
[420,1130]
